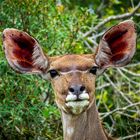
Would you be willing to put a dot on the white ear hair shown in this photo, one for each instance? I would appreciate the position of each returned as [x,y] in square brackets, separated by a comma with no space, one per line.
[117,46]
[38,58]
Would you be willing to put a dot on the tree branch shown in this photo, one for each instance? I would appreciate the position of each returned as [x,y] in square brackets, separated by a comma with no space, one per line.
[116,88]
[120,109]
[130,136]
[123,16]
[130,72]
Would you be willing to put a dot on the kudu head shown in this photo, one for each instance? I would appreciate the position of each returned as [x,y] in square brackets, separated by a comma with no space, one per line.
[72,76]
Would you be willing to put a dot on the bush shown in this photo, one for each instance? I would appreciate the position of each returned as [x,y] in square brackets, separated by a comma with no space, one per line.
[59,27]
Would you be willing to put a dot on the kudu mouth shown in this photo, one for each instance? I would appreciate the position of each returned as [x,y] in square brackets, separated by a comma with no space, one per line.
[79,97]
[77,103]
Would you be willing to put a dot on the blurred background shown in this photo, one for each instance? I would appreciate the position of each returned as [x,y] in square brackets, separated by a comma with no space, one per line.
[66,27]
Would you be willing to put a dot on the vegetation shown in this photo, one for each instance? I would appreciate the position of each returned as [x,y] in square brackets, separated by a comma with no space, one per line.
[62,27]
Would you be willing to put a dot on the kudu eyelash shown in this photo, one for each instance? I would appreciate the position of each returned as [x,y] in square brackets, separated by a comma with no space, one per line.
[53,73]
[94,69]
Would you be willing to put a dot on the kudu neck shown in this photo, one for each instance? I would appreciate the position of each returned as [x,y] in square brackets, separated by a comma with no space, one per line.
[85,126]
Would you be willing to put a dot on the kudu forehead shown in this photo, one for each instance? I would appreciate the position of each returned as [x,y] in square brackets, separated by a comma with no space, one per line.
[68,63]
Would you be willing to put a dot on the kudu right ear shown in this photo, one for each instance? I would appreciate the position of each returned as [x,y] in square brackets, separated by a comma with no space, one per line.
[117,46]
[23,52]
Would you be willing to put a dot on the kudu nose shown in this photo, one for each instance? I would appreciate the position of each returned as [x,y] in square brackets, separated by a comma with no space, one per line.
[76,89]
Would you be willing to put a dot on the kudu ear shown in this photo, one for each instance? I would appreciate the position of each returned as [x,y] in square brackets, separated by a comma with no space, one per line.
[117,46]
[23,52]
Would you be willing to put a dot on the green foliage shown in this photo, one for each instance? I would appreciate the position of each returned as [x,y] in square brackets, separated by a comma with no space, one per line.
[22,114]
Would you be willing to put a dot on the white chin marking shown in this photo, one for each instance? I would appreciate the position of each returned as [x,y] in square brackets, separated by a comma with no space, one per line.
[77,107]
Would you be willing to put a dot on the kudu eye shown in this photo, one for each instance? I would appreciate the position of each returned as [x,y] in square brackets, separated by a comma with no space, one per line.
[53,73]
[93,70]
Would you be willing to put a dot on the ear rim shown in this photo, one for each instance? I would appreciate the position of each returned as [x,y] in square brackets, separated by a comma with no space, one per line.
[103,41]
[15,66]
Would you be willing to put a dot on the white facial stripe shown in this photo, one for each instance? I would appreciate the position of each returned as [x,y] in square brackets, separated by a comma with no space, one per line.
[71,71]
[47,75]
[76,70]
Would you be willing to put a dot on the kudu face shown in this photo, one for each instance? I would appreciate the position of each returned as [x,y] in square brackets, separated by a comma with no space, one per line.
[72,76]
[73,80]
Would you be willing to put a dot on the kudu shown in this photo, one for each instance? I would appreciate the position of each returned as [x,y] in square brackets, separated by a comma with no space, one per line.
[73,76]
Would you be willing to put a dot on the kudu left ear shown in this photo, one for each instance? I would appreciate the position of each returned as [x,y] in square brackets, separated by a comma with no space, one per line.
[117,46]
[23,52]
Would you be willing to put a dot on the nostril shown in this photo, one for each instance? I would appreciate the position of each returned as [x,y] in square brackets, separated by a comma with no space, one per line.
[82,88]
[71,89]
[76,89]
